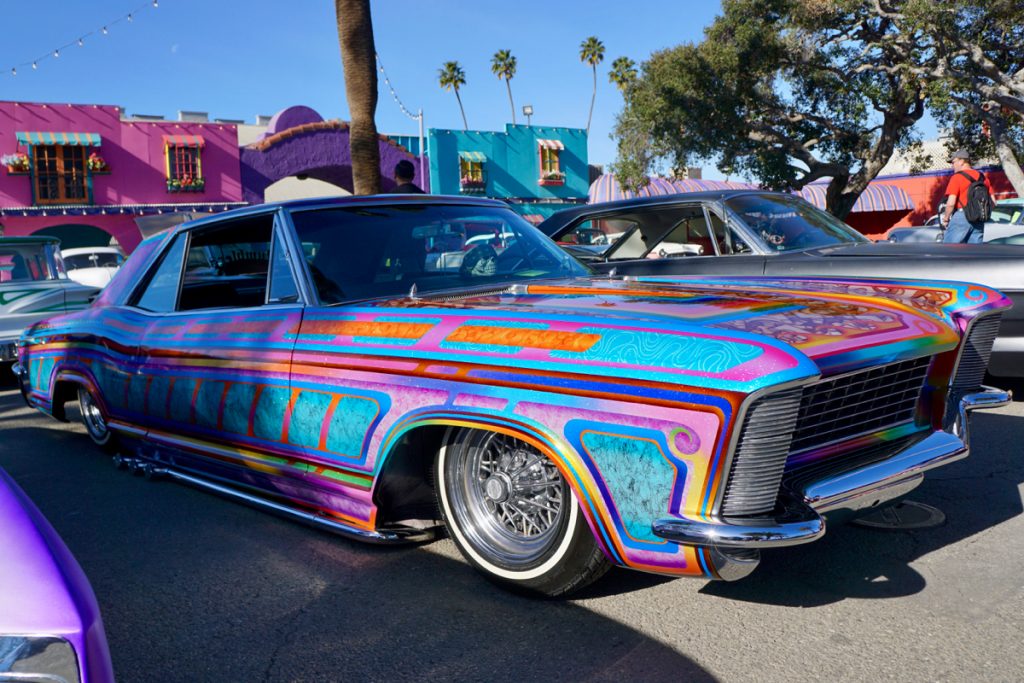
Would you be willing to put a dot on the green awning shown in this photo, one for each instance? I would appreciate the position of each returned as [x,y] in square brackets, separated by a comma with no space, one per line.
[475,157]
[79,139]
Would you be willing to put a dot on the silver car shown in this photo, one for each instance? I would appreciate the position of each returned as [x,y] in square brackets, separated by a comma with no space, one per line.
[34,286]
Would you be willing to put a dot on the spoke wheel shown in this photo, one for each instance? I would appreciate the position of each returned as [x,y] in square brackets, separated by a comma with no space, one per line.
[93,418]
[513,515]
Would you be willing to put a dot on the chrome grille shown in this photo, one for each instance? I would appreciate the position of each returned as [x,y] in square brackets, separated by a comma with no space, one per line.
[860,402]
[760,456]
[970,372]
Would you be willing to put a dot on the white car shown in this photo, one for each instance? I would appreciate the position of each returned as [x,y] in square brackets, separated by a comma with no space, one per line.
[92,266]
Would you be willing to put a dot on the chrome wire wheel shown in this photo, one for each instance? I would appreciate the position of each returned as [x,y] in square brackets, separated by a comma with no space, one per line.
[511,499]
[92,417]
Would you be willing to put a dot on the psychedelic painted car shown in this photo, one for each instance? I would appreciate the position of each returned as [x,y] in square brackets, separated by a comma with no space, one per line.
[33,286]
[50,625]
[361,365]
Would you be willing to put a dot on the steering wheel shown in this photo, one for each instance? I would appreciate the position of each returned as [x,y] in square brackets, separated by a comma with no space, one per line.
[480,261]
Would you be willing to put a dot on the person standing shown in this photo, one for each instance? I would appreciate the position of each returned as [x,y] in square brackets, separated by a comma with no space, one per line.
[404,174]
[957,220]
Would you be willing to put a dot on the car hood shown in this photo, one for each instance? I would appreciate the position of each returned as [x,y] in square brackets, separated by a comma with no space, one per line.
[734,335]
[45,592]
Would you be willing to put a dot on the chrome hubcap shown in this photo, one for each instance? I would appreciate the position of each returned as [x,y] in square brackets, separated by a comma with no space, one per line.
[92,417]
[509,500]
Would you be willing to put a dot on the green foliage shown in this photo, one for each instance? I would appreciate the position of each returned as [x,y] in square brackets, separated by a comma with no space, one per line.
[503,64]
[451,76]
[592,51]
[784,91]
[623,74]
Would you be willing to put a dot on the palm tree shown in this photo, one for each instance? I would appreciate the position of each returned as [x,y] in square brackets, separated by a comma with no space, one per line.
[358,57]
[623,75]
[452,77]
[592,53]
[503,65]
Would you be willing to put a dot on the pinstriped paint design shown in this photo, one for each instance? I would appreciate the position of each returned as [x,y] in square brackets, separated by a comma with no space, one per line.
[632,389]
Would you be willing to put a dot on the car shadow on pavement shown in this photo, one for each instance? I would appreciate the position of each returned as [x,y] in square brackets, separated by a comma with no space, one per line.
[975,494]
[194,587]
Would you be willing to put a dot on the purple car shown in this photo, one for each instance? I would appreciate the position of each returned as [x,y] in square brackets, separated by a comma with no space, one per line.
[50,625]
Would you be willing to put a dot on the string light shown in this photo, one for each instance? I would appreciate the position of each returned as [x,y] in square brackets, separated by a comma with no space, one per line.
[394,95]
[80,41]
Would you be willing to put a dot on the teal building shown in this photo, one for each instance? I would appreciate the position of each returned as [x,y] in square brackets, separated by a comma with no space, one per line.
[537,169]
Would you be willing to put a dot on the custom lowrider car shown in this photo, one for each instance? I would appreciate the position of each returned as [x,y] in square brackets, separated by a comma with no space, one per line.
[743,232]
[351,362]
[50,626]
[33,286]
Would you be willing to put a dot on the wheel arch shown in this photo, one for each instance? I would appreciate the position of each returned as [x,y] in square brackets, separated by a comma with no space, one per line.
[411,446]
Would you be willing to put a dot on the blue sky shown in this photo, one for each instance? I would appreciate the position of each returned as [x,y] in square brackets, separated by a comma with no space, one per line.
[236,59]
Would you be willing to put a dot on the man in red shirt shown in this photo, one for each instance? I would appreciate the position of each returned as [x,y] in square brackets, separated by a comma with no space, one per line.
[958,228]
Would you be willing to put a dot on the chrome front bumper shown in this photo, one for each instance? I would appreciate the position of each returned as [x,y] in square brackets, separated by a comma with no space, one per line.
[837,495]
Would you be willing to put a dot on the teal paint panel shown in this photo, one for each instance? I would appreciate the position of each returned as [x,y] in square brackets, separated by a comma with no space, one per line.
[638,477]
[156,404]
[308,418]
[181,400]
[349,425]
[137,393]
[237,406]
[208,403]
[268,422]
[45,370]
[116,388]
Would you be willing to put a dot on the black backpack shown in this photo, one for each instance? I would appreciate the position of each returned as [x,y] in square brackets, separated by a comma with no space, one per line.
[979,203]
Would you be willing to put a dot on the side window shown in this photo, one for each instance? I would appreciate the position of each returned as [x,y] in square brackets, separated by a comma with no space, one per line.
[282,282]
[161,292]
[227,265]
[689,237]
[729,242]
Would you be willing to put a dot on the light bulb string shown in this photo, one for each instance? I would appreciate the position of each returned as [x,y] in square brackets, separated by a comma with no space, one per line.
[55,53]
[394,95]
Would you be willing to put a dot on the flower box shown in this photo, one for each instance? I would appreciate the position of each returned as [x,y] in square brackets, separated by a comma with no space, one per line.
[96,164]
[551,181]
[470,186]
[17,163]
[186,185]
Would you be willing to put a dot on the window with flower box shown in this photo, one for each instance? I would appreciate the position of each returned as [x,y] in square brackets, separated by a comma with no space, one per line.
[471,172]
[551,172]
[60,174]
[184,163]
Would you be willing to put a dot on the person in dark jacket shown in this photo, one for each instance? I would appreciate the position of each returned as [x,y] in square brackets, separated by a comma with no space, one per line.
[404,173]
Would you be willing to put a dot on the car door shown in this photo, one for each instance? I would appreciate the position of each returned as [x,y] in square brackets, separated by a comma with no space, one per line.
[214,358]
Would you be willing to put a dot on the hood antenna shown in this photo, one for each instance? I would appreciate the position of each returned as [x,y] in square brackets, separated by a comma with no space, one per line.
[412,292]
[612,273]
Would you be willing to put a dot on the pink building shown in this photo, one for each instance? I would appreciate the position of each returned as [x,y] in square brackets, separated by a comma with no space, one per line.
[83,173]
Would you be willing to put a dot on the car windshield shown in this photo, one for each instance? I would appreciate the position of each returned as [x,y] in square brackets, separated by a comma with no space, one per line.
[93,260]
[27,263]
[785,223]
[367,252]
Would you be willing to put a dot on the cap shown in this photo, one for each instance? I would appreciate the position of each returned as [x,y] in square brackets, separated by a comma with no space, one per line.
[961,154]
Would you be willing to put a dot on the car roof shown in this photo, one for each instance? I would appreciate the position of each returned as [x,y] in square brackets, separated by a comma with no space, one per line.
[75,251]
[344,202]
[560,219]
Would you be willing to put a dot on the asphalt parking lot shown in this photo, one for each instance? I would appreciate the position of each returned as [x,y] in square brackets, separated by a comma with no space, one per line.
[196,588]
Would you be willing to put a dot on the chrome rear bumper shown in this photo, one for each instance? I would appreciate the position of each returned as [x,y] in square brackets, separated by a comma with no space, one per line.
[837,495]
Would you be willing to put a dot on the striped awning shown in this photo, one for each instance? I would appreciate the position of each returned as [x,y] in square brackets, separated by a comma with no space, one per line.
[877,197]
[184,141]
[606,188]
[76,139]
[475,157]
[550,144]
[534,218]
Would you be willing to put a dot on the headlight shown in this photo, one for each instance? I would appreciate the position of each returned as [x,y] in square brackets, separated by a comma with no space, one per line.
[42,659]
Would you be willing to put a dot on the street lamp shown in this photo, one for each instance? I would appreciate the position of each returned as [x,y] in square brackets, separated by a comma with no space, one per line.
[528,112]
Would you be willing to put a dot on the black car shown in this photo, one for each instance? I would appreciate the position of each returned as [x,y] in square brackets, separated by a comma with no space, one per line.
[746,232]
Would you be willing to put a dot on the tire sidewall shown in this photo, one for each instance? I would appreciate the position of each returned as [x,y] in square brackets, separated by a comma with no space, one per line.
[105,442]
[555,568]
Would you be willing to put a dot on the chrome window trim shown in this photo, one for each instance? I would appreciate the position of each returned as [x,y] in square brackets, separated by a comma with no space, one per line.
[737,430]
[297,259]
